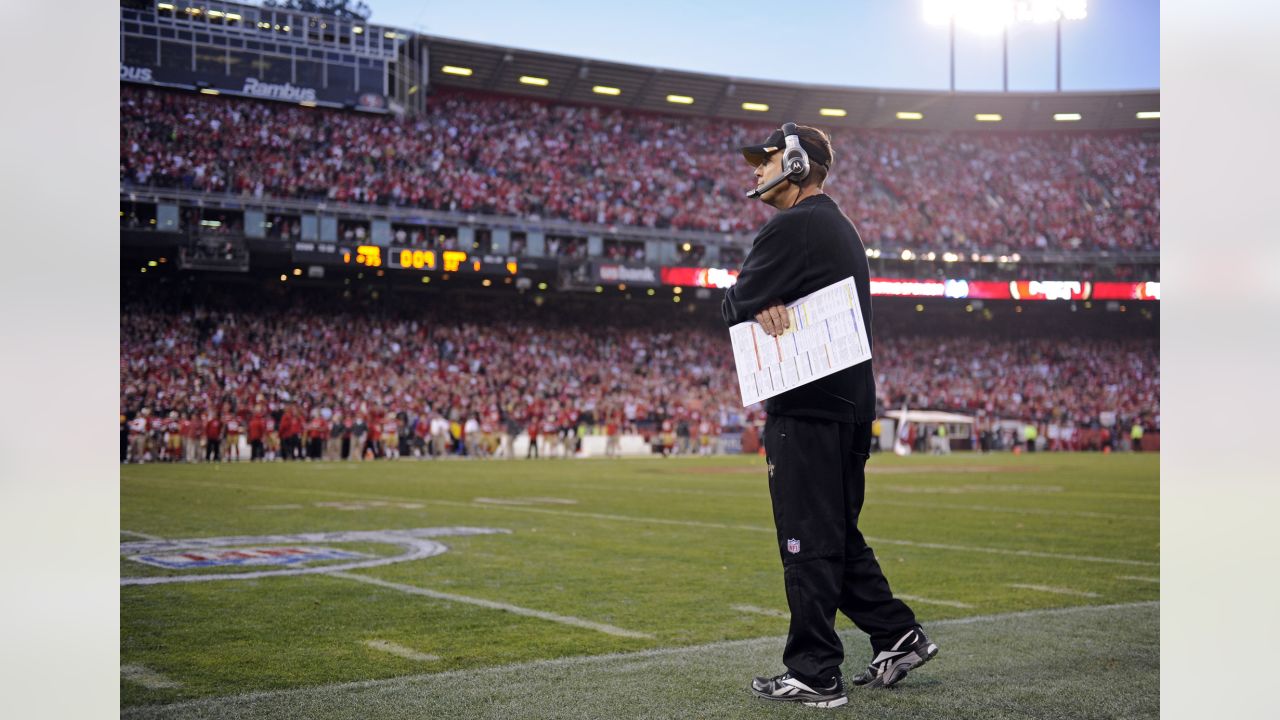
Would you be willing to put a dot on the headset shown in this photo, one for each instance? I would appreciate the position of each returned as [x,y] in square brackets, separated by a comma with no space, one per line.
[795,163]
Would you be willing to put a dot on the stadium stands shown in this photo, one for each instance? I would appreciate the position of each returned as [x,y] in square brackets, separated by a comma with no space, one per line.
[950,192]
[509,365]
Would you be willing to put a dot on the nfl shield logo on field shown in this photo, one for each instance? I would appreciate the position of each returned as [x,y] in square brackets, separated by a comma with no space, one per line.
[793,546]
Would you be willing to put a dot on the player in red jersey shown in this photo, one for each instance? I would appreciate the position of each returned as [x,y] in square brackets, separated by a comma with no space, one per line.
[213,429]
[373,441]
[317,432]
[235,428]
[257,433]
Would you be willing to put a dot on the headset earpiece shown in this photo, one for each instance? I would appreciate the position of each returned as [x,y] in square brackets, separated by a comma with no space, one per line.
[795,161]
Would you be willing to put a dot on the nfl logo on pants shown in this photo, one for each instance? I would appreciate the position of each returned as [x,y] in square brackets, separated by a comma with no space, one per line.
[793,546]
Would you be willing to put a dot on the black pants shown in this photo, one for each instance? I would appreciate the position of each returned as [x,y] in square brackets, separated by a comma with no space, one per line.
[315,448]
[255,450]
[817,485]
[213,450]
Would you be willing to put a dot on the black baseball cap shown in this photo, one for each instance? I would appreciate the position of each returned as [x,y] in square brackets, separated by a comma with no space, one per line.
[813,140]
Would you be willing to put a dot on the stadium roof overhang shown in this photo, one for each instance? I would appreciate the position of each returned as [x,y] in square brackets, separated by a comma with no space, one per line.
[573,79]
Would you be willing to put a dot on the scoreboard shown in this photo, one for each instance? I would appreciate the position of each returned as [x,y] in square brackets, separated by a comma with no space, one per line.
[412,259]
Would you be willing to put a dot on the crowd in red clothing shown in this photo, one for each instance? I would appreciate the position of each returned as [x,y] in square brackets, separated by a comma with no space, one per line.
[1075,380]
[311,381]
[957,192]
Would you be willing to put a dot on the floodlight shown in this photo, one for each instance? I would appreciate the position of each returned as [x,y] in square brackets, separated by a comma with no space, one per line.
[992,16]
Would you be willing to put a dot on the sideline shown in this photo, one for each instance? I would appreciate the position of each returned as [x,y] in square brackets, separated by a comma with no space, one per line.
[228,701]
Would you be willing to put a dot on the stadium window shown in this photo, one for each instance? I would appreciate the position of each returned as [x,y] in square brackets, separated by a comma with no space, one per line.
[309,74]
[139,51]
[211,61]
[277,69]
[341,77]
[177,55]
[371,79]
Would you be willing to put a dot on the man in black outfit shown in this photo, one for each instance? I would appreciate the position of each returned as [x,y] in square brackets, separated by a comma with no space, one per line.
[818,438]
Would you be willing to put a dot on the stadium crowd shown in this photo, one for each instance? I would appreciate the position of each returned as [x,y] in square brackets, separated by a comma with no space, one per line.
[310,381]
[949,192]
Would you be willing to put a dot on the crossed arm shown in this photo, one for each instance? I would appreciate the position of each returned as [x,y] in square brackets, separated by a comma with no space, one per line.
[773,270]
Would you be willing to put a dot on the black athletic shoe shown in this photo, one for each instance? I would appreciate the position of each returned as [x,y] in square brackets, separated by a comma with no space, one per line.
[787,688]
[889,666]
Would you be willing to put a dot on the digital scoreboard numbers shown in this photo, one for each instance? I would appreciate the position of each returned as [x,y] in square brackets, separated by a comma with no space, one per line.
[446,260]
[377,256]
[367,255]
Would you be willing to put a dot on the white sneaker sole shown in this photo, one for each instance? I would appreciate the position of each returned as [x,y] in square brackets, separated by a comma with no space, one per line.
[905,664]
[827,703]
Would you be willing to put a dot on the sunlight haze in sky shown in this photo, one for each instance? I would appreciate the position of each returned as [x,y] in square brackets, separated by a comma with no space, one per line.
[861,43]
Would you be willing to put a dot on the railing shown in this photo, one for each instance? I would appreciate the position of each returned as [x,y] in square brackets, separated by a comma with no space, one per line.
[549,226]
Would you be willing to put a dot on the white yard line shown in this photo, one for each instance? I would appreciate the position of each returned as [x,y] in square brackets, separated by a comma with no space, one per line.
[1018,553]
[1137,578]
[1018,511]
[147,678]
[139,535]
[761,611]
[1054,590]
[400,650]
[691,523]
[229,701]
[931,601]
[880,501]
[516,609]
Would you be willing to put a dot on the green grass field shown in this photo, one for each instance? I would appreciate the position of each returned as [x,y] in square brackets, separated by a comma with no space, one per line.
[637,588]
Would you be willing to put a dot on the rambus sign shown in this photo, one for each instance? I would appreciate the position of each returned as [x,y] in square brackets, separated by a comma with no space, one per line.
[135,74]
[283,91]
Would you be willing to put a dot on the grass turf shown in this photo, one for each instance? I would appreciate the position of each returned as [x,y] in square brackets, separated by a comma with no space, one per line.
[665,548]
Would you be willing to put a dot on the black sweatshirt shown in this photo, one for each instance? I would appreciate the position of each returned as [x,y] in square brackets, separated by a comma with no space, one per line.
[800,250]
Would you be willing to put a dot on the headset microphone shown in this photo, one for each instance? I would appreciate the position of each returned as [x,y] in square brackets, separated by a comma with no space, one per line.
[795,163]
[753,194]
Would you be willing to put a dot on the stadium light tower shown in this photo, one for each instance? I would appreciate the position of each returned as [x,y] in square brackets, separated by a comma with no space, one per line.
[992,16]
